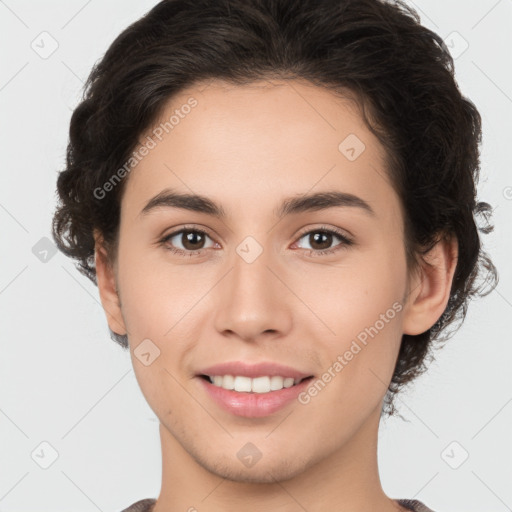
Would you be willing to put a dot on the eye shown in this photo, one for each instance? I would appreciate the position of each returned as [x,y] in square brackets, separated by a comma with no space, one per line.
[192,241]
[321,238]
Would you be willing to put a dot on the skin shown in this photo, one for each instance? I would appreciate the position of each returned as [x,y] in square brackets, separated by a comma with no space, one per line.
[248,148]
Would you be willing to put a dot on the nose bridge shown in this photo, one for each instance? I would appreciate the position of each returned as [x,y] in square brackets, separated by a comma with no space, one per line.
[252,299]
[250,261]
[252,278]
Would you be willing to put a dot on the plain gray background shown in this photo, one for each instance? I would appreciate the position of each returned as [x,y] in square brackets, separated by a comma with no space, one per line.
[65,384]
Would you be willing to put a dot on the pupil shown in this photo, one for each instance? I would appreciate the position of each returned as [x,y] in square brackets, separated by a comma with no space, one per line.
[326,243]
[190,237]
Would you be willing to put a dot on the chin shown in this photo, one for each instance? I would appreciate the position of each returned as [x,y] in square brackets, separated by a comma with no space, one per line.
[269,472]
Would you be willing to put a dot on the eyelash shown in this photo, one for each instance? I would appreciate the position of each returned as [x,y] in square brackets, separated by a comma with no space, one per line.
[345,241]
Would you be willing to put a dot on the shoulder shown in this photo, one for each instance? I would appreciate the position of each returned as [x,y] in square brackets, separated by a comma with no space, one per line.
[147,504]
[141,506]
[414,505]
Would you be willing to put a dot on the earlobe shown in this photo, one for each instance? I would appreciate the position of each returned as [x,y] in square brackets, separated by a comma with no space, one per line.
[430,292]
[107,287]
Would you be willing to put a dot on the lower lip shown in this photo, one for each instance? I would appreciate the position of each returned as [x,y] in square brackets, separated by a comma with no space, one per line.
[253,405]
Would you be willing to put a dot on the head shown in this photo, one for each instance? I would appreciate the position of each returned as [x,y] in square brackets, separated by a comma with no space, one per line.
[254,106]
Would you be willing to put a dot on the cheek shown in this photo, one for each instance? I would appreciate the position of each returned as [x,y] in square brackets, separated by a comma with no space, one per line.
[155,294]
[155,303]
[361,306]
[354,297]
[160,386]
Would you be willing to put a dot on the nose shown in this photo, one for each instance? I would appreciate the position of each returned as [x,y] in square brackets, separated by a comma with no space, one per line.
[253,302]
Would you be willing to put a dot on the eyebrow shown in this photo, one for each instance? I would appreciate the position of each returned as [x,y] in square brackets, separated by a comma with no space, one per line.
[169,198]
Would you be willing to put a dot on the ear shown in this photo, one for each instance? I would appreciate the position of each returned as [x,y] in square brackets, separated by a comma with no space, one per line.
[105,278]
[429,290]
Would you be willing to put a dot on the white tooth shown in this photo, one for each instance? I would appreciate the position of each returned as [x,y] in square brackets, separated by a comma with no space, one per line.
[242,383]
[276,383]
[228,382]
[288,382]
[260,385]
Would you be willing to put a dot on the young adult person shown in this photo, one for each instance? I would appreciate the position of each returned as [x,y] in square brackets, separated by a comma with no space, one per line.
[277,201]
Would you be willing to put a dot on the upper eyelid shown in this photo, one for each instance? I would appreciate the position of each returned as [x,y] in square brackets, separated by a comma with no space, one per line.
[336,231]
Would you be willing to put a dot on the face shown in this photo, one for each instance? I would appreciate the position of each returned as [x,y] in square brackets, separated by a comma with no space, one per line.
[314,286]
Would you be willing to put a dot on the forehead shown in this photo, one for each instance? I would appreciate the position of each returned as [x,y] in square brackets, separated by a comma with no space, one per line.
[263,140]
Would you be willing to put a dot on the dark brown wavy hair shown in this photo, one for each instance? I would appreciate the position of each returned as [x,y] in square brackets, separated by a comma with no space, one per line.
[400,73]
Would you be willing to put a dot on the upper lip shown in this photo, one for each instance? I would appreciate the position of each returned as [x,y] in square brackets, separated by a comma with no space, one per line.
[253,370]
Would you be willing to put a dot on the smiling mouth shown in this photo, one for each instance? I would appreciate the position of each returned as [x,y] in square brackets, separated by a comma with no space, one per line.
[257,385]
